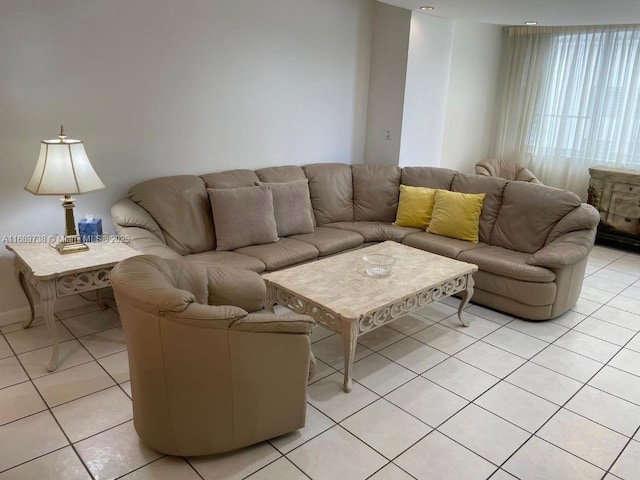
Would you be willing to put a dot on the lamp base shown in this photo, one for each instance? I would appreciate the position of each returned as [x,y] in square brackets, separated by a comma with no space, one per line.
[71,244]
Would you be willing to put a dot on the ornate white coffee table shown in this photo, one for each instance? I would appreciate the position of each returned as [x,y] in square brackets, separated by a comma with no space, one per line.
[53,275]
[338,294]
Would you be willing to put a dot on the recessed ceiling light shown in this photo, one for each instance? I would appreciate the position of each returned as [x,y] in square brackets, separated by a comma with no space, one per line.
[530,22]
[426,8]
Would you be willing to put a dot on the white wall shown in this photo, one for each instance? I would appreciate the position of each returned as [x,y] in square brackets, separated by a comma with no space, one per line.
[389,51]
[161,87]
[430,50]
[472,100]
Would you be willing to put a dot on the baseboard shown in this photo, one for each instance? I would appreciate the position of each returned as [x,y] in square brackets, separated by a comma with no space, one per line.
[19,314]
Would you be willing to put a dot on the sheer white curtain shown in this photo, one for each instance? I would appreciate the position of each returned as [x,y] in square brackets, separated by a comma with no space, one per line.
[571,100]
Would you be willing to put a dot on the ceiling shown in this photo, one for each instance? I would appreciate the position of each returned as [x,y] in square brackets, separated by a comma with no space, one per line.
[545,12]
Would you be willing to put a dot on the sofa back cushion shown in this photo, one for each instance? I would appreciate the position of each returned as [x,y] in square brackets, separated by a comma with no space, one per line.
[231,179]
[493,187]
[180,206]
[331,189]
[528,214]
[376,189]
[287,173]
[431,177]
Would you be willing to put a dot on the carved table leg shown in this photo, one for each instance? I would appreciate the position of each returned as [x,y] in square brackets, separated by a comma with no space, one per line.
[468,293]
[48,298]
[350,336]
[270,299]
[25,288]
[100,300]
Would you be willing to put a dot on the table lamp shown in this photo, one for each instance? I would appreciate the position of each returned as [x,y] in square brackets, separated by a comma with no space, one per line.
[63,168]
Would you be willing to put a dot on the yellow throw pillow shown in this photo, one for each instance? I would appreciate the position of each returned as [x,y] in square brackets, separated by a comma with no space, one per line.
[456,215]
[414,207]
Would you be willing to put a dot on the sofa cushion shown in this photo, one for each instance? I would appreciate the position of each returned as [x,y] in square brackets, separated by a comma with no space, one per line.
[227,260]
[493,188]
[415,207]
[230,179]
[528,214]
[456,215]
[448,247]
[180,206]
[331,190]
[330,240]
[375,192]
[291,207]
[286,173]
[375,231]
[528,293]
[507,263]
[243,216]
[282,253]
[431,177]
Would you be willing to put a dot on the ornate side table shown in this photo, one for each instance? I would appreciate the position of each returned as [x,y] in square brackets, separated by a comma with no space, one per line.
[52,275]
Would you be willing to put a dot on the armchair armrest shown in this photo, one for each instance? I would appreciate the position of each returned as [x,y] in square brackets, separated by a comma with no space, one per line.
[206,316]
[269,322]
[242,288]
[568,249]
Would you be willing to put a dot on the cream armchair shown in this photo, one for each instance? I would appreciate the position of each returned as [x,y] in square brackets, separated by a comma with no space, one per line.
[206,375]
[492,167]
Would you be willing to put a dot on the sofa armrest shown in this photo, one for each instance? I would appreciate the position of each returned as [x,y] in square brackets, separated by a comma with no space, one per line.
[270,322]
[206,316]
[146,242]
[127,213]
[568,249]
[242,288]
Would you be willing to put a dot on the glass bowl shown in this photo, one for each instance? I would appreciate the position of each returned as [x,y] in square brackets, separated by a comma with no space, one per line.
[378,265]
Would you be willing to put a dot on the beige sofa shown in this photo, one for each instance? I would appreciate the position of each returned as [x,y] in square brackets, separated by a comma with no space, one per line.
[208,376]
[532,253]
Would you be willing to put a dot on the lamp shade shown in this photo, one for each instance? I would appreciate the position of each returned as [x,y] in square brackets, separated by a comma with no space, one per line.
[63,168]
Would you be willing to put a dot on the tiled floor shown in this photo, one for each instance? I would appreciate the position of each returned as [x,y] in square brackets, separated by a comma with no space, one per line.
[501,399]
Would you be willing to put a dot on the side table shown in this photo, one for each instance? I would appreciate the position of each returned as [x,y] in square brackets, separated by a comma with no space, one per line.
[53,275]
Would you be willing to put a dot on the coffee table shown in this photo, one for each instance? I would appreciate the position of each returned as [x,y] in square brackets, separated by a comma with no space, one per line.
[338,294]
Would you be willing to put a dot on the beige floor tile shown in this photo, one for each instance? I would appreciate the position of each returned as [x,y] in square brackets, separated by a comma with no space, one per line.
[72,383]
[380,338]
[414,355]
[337,454]
[517,406]
[28,438]
[611,275]
[62,464]
[490,359]
[11,372]
[92,322]
[436,311]
[115,452]
[568,319]
[489,314]
[235,465]
[126,386]
[94,413]
[584,438]
[477,327]
[90,306]
[386,428]
[5,350]
[322,370]
[319,332]
[634,344]
[502,475]
[391,472]
[585,307]
[633,291]
[19,401]
[607,410]
[568,363]
[628,465]
[328,396]
[545,383]
[461,378]
[427,401]
[444,339]
[72,353]
[316,423]
[32,338]
[485,433]
[591,347]
[410,324]
[627,304]
[618,317]
[618,383]
[380,374]
[515,342]
[600,283]
[627,360]
[608,253]
[116,365]
[281,469]
[331,351]
[105,343]
[596,295]
[437,456]
[545,331]
[166,468]
[539,460]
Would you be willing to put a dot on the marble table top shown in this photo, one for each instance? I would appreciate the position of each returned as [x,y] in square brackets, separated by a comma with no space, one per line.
[340,283]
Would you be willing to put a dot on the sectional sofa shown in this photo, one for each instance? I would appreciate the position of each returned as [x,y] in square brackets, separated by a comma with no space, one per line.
[533,240]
